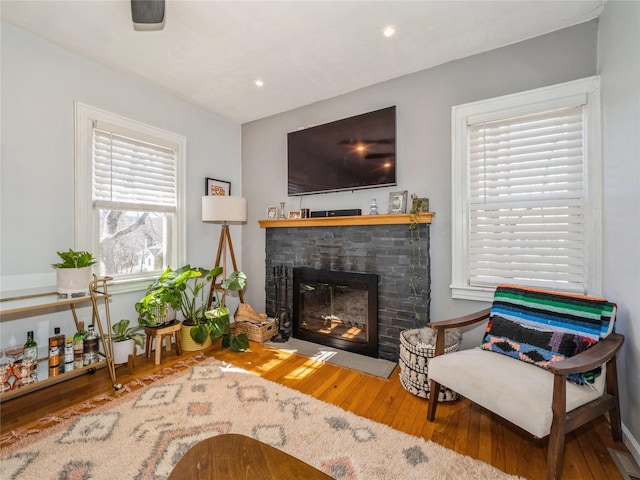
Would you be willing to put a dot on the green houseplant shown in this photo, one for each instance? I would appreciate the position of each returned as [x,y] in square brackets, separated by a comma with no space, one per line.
[124,338]
[73,272]
[164,293]
[218,317]
[189,285]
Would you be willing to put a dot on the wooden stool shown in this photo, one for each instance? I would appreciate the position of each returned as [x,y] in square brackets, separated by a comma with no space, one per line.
[159,333]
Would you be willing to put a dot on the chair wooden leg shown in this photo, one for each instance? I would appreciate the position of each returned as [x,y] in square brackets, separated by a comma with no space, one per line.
[434,390]
[612,388]
[555,456]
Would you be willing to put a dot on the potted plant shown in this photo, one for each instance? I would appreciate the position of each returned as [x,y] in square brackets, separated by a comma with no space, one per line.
[123,339]
[163,297]
[200,329]
[218,317]
[73,272]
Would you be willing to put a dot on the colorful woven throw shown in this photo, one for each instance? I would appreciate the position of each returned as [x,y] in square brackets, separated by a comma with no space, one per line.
[542,327]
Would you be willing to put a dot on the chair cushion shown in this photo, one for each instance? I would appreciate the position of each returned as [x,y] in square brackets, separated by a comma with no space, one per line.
[517,391]
[542,327]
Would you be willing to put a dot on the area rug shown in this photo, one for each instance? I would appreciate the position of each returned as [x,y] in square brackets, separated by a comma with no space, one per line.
[143,432]
[378,367]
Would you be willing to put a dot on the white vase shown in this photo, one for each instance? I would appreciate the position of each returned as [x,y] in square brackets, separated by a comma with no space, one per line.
[73,281]
[122,350]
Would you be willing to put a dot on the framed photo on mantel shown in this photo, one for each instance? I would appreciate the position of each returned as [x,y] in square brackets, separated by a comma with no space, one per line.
[217,187]
[398,202]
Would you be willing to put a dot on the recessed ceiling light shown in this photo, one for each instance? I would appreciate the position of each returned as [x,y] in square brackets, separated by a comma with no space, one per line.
[389,31]
[259,83]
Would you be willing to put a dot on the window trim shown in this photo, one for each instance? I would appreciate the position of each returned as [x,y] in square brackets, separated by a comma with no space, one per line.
[85,228]
[584,91]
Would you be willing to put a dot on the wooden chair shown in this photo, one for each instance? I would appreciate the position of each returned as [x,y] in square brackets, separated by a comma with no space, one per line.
[542,401]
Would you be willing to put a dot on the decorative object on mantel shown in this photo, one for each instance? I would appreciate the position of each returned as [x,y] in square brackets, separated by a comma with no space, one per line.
[281,212]
[373,208]
[73,273]
[417,346]
[397,202]
[224,210]
[272,213]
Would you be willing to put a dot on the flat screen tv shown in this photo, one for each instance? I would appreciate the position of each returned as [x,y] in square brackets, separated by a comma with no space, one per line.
[349,154]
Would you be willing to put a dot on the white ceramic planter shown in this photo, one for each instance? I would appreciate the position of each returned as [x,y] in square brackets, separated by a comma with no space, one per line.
[122,350]
[73,281]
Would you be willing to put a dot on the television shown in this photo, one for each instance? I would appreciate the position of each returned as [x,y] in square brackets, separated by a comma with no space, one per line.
[349,154]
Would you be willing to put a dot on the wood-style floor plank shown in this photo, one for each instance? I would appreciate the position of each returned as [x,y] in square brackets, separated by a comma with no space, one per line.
[460,425]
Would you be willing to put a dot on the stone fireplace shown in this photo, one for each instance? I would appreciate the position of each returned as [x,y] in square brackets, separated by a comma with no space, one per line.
[373,245]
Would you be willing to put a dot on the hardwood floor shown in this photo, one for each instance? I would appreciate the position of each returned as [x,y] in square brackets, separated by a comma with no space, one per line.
[459,425]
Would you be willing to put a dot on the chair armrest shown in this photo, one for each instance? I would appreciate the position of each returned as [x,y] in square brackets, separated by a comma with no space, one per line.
[462,321]
[600,353]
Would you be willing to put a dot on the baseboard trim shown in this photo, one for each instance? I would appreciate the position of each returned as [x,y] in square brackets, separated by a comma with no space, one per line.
[632,443]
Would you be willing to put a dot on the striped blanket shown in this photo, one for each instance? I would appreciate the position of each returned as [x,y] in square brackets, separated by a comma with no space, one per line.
[542,327]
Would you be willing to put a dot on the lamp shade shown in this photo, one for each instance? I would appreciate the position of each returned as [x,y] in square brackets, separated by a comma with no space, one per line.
[222,208]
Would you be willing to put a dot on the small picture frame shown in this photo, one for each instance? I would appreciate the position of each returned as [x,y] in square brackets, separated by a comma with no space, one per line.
[398,202]
[272,213]
[214,186]
[419,204]
[295,213]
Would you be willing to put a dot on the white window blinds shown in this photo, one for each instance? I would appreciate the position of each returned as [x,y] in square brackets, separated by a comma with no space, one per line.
[132,173]
[527,201]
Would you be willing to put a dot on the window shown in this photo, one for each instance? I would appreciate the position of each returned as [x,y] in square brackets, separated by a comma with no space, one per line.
[128,196]
[526,190]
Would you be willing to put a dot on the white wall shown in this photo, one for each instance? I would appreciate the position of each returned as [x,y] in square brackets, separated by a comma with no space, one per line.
[619,65]
[40,82]
[424,102]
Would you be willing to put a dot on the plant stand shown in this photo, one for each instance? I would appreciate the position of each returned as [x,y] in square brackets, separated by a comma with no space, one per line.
[414,367]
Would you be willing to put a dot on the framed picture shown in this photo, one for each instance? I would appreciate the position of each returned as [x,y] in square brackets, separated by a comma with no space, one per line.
[295,213]
[420,204]
[272,212]
[217,187]
[398,202]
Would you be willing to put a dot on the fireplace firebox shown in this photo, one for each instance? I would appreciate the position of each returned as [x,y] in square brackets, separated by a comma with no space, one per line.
[337,309]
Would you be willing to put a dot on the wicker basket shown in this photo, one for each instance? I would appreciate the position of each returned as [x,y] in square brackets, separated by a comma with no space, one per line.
[257,332]
[414,367]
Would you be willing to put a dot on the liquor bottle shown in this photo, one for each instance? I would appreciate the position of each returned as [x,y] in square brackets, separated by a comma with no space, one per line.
[90,347]
[78,346]
[61,339]
[31,352]
[68,355]
[54,357]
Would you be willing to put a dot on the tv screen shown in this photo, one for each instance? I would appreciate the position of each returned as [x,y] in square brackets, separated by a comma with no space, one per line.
[348,154]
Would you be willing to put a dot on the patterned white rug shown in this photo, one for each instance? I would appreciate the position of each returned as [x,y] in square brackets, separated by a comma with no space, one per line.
[143,432]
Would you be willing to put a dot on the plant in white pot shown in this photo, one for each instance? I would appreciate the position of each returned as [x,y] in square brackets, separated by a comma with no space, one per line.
[73,272]
[124,339]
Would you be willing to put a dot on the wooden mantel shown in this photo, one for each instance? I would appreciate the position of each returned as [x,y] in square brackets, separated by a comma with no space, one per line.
[397,219]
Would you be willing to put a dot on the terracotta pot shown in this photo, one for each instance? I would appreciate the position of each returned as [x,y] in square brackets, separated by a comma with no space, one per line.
[187,343]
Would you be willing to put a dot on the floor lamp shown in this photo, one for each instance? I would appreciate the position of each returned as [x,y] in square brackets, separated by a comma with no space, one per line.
[224,210]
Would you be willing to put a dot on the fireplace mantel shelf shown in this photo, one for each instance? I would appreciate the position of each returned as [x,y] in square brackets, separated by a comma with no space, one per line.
[397,219]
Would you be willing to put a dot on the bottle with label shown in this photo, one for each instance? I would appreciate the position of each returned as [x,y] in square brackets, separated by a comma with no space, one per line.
[78,346]
[90,347]
[30,353]
[68,355]
[54,357]
[61,341]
